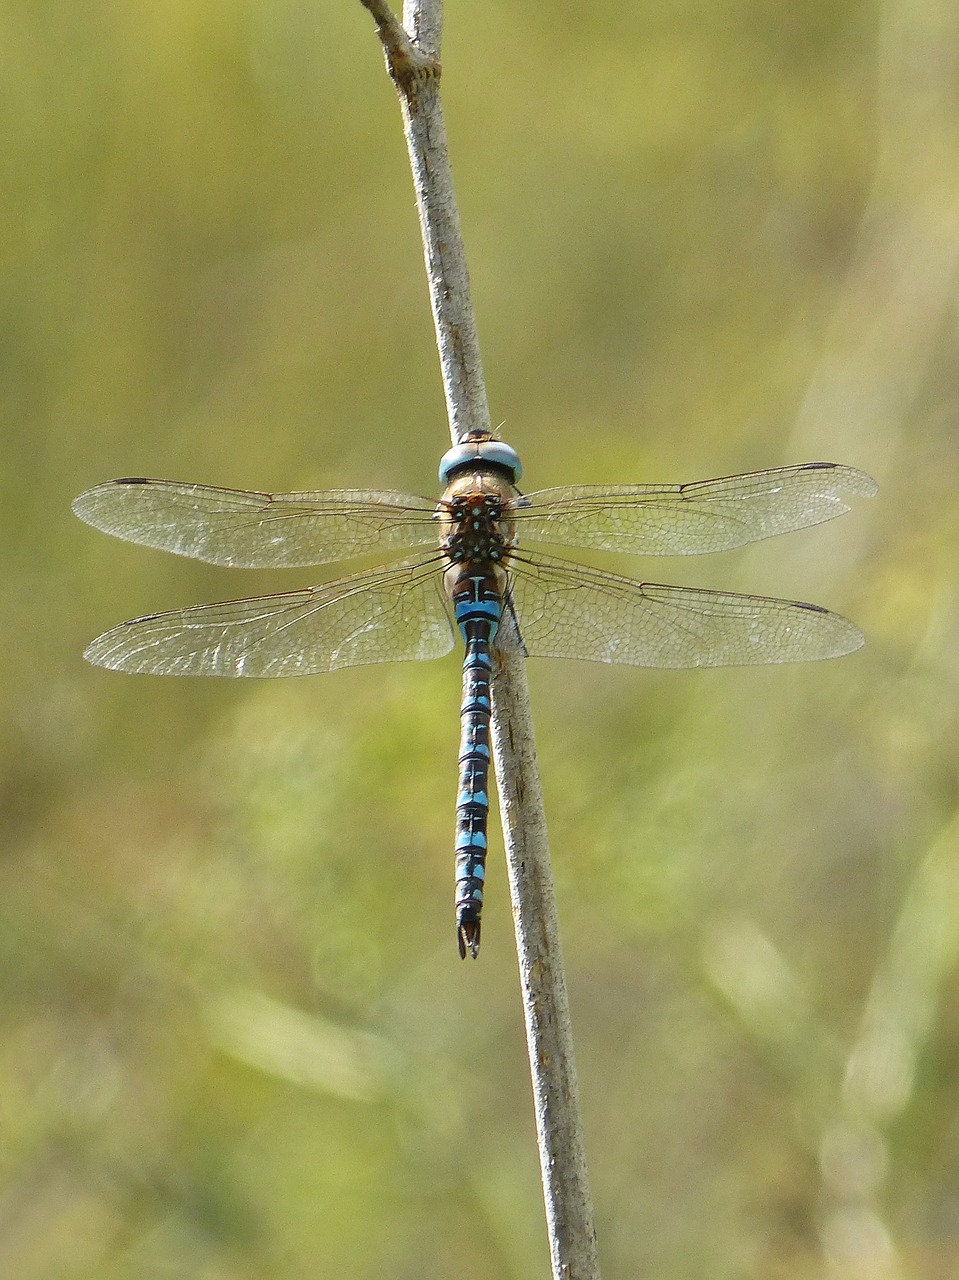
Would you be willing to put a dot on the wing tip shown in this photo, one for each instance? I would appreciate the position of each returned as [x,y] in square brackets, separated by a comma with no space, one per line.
[851,479]
[846,637]
[96,655]
[855,639]
[79,505]
[85,504]
[107,650]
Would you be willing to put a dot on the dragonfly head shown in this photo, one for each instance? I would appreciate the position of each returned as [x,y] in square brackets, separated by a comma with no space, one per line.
[480,449]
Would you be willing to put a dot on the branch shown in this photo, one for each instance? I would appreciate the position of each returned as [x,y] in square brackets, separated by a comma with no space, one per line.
[416,72]
[413,64]
[549,1031]
[405,62]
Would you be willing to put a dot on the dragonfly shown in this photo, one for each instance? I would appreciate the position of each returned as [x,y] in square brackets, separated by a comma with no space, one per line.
[464,566]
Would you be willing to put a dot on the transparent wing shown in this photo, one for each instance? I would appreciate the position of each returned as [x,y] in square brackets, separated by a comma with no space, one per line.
[690,519]
[387,615]
[247,530]
[565,610]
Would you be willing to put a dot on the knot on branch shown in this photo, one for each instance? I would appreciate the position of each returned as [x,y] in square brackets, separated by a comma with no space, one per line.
[408,65]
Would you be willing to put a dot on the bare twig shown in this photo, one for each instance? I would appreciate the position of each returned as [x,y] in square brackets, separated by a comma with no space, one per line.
[549,1033]
[418,88]
[412,60]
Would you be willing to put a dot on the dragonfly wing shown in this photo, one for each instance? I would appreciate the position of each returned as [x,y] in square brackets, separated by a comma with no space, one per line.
[691,519]
[247,530]
[387,615]
[565,610]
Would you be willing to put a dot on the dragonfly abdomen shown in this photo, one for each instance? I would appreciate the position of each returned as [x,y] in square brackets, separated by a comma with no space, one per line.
[478,607]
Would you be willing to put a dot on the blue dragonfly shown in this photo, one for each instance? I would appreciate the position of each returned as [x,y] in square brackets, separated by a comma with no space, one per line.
[465,566]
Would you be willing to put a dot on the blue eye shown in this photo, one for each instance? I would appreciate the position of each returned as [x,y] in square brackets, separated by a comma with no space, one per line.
[489,452]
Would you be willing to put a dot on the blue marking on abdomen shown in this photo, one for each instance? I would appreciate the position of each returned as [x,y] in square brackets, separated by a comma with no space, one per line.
[478,609]
[471,839]
[479,798]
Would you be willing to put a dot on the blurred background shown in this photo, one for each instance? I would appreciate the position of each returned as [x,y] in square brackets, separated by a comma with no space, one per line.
[236,1041]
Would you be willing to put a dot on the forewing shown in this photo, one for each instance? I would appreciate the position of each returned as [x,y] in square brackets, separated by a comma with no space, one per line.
[567,611]
[691,519]
[387,615]
[248,530]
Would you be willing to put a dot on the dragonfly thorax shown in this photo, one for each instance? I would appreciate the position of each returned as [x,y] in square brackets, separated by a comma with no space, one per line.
[476,521]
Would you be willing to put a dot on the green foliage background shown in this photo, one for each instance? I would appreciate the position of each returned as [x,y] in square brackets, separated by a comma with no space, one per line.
[235,1038]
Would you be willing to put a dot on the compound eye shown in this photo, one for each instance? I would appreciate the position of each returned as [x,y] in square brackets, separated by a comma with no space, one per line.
[480,450]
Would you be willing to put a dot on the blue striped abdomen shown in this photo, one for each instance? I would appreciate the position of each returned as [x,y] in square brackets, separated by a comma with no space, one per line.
[478,607]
